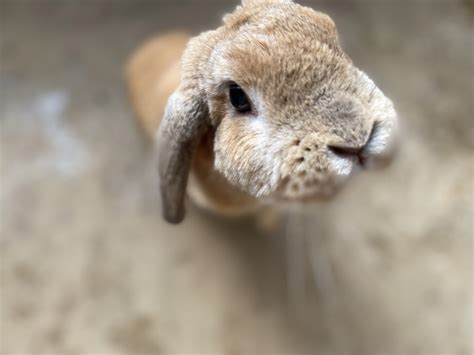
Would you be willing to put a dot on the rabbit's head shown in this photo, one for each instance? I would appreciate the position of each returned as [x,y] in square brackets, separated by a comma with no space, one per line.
[290,115]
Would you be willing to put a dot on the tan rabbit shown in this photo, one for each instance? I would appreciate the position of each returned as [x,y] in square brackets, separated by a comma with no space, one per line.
[265,110]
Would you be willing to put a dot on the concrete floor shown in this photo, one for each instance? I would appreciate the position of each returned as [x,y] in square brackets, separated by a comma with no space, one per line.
[89,267]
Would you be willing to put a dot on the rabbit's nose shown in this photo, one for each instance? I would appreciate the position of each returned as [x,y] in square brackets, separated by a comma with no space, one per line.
[351,151]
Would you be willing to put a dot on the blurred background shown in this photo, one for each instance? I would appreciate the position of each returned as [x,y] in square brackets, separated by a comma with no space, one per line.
[88,266]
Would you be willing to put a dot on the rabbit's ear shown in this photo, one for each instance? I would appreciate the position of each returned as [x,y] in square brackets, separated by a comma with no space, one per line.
[184,123]
[260,2]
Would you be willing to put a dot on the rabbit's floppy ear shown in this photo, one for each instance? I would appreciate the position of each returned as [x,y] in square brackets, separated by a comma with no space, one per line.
[184,123]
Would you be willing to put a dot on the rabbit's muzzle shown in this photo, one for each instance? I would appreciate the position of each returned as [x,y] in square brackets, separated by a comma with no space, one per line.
[318,170]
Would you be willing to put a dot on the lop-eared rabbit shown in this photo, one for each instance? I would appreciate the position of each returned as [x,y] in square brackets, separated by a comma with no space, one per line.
[266,110]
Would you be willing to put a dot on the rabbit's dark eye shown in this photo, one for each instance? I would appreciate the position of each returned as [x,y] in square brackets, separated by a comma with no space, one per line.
[239,99]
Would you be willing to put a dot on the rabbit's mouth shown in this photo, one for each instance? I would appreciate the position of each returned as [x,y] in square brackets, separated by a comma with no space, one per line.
[315,172]
[305,188]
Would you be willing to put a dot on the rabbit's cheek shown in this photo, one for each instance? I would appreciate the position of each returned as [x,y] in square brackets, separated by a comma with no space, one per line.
[247,155]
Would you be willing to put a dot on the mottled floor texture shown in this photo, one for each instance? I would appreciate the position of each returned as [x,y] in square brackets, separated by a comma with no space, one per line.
[88,266]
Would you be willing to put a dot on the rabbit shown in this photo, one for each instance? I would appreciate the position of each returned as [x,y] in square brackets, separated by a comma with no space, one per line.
[265,111]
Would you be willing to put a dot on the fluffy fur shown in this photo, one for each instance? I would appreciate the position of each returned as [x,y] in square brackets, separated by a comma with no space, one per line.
[315,117]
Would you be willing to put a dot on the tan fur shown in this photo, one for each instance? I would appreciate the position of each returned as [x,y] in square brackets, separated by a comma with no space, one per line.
[310,106]
[153,73]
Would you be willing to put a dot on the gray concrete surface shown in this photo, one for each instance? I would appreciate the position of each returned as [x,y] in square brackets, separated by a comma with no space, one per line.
[88,266]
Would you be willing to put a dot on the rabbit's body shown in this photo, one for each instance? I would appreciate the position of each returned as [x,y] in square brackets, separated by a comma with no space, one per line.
[266,109]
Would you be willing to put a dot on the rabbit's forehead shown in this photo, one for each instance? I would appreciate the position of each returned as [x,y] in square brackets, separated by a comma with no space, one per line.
[285,59]
[286,73]
[287,19]
[296,48]
[276,42]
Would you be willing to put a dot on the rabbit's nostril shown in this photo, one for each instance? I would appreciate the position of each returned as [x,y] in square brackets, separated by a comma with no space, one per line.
[351,151]
[346,151]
